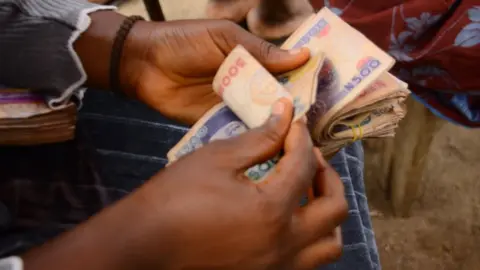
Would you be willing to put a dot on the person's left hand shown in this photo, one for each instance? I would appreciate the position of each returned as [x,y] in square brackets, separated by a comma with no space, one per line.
[170,66]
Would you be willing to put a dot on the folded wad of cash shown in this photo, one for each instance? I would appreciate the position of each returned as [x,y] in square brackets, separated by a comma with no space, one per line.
[345,90]
[25,119]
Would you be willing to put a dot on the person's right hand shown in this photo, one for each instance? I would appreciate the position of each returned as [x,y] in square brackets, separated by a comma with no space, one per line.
[202,212]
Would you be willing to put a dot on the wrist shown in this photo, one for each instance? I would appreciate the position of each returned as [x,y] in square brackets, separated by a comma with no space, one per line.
[94,47]
[134,58]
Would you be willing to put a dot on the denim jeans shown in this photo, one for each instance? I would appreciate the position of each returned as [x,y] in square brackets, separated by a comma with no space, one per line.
[120,143]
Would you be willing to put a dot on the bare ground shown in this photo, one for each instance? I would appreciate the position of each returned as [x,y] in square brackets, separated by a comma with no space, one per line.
[443,232]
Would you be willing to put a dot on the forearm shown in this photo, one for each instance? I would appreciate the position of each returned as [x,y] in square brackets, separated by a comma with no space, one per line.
[108,241]
[92,245]
[61,46]
[36,44]
[94,48]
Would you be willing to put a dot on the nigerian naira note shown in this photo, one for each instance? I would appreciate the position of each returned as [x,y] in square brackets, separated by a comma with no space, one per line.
[248,88]
[302,82]
[352,63]
[221,123]
[218,123]
[237,113]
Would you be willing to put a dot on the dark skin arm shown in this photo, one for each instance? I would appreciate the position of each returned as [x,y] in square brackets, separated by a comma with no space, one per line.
[203,213]
[170,67]
[98,244]
[96,59]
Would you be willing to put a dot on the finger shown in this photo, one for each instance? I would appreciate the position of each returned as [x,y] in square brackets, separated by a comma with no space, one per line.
[272,57]
[295,171]
[277,60]
[323,251]
[228,35]
[320,188]
[260,144]
[324,214]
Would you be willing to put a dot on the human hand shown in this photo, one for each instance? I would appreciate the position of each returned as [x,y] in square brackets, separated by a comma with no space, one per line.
[202,212]
[217,219]
[170,66]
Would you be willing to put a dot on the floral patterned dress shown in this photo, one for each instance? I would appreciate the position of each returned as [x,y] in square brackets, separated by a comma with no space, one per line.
[436,44]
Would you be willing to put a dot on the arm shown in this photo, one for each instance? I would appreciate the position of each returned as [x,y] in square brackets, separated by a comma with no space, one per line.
[108,241]
[203,213]
[36,44]
[167,66]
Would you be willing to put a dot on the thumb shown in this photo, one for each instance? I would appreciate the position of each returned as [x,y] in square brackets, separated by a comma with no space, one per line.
[273,58]
[265,142]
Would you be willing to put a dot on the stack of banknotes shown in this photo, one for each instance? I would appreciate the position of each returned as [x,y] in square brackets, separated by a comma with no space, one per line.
[25,119]
[345,90]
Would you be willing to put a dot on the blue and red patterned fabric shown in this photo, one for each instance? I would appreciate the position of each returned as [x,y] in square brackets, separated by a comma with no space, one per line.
[436,44]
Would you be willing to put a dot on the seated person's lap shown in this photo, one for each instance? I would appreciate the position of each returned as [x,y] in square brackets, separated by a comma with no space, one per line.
[120,144]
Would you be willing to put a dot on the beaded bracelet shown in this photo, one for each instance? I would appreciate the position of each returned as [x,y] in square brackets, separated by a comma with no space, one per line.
[117,49]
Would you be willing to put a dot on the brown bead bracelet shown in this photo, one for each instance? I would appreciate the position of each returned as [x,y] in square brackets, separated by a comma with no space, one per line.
[117,49]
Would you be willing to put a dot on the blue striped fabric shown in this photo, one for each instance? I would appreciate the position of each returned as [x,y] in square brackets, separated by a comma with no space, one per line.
[121,144]
[48,189]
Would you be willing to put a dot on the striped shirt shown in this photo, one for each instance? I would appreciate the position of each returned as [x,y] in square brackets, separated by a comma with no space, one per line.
[31,32]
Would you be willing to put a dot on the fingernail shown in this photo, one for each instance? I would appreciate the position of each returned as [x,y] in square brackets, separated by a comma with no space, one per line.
[278,107]
[295,51]
[304,119]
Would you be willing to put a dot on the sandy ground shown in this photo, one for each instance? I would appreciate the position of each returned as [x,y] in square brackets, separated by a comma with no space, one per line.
[443,232]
